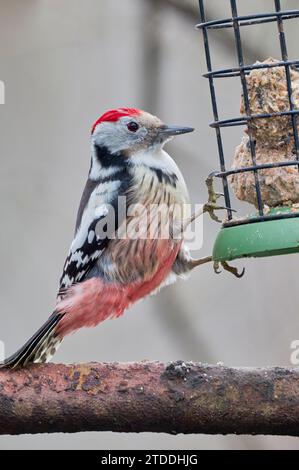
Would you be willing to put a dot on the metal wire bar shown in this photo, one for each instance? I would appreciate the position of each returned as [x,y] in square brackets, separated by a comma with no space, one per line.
[284,55]
[264,166]
[242,120]
[235,71]
[246,101]
[215,109]
[249,20]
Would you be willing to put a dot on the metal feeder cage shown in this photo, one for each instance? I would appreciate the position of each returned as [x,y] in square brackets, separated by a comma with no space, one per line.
[261,234]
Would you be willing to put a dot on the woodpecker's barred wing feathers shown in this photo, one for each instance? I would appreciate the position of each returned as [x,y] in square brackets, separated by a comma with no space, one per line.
[80,260]
[97,222]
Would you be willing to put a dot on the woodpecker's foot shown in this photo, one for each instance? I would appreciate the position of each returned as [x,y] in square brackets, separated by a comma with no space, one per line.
[228,268]
[181,226]
[193,263]
[211,206]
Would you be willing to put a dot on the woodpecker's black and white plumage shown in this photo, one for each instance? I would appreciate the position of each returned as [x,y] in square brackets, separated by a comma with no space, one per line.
[106,270]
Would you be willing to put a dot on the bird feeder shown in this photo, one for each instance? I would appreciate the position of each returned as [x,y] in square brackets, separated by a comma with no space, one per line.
[265,169]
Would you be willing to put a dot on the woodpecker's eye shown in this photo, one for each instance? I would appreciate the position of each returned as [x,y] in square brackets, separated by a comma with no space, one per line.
[132,126]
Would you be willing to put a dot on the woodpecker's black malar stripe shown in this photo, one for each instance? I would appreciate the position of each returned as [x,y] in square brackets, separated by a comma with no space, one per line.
[107,159]
[164,177]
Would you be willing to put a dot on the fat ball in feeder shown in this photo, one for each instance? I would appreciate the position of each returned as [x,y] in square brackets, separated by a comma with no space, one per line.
[273,139]
[265,169]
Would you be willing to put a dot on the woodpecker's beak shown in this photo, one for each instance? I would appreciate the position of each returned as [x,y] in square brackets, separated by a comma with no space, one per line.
[174,130]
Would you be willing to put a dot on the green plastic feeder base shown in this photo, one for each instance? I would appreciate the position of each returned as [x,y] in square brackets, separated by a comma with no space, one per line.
[258,239]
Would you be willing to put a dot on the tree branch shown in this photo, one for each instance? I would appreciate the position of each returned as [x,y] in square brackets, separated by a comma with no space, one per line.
[149,396]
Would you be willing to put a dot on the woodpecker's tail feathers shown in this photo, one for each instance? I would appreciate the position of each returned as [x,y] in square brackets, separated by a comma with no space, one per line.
[39,348]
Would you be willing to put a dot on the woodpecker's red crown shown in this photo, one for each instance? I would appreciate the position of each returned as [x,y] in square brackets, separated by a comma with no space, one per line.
[114,115]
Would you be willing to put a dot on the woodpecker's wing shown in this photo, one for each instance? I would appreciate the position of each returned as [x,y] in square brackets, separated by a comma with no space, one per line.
[98,219]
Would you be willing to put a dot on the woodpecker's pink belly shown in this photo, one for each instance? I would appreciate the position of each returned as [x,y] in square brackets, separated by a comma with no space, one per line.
[94,300]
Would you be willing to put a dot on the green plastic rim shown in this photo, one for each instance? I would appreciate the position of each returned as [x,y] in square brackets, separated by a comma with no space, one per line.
[258,239]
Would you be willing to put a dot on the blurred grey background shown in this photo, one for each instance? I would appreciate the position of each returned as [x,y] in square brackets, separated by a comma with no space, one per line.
[64,62]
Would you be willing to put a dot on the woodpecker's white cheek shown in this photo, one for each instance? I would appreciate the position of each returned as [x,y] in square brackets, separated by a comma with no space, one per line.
[116,137]
[109,135]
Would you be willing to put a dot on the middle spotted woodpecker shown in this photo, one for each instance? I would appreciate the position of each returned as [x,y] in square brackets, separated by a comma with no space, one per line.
[118,256]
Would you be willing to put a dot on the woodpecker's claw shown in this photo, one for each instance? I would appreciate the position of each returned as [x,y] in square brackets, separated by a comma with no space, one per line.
[211,206]
[232,269]
[228,268]
[216,267]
